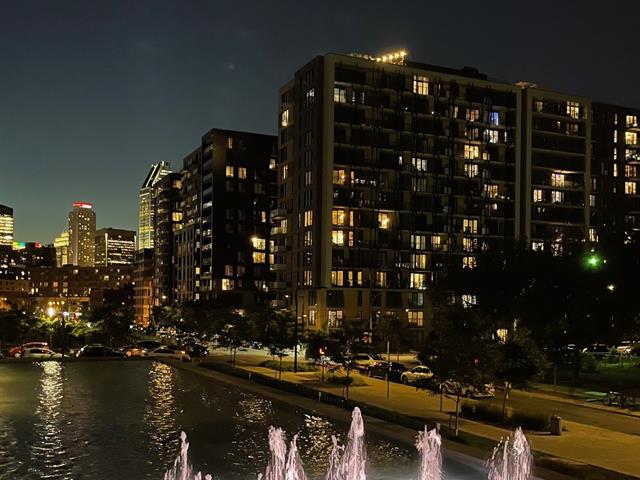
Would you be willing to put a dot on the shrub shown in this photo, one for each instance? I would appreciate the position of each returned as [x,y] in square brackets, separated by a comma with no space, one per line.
[531,420]
[485,411]
[288,366]
[341,379]
[588,363]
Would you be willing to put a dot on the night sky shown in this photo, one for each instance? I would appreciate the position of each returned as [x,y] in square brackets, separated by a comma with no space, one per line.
[93,92]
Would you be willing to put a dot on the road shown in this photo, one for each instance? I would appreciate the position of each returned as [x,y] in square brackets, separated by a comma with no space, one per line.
[579,412]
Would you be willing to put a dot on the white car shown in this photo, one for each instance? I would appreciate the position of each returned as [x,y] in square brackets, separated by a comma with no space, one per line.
[166,352]
[363,361]
[625,347]
[43,353]
[416,374]
[467,390]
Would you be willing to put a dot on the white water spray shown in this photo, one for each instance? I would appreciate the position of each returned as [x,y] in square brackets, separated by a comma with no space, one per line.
[511,459]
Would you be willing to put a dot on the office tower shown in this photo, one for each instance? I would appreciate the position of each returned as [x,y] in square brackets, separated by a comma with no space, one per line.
[6,226]
[61,244]
[82,235]
[146,203]
[143,286]
[115,246]
[167,221]
[615,169]
[388,171]
[223,250]
[34,254]
[556,169]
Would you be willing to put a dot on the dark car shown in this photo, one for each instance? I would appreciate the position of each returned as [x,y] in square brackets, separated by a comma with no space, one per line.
[195,350]
[98,351]
[382,369]
[148,344]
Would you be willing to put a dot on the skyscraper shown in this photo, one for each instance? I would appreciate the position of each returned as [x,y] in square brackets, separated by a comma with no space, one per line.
[82,233]
[61,245]
[115,246]
[146,204]
[6,226]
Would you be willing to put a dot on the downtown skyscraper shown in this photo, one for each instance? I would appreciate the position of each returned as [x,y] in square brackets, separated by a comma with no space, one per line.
[146,204]
[82,233]
[6,226]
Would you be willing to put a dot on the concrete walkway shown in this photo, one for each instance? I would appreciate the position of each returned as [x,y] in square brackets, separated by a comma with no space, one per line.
[579,443]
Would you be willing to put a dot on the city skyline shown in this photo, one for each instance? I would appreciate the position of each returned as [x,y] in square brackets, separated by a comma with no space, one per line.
[130,103]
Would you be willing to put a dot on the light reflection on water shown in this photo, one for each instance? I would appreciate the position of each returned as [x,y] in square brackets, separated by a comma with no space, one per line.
[121,420]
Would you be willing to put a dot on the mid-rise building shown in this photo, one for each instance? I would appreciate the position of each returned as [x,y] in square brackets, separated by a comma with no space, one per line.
[82,235]
[167,221]
[61,245]
[6,225]
[75,281]
[34,254]
[146,204]
[115,246]
[223,250]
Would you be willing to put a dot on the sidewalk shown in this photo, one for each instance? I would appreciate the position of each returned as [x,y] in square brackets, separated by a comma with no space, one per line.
[579,443]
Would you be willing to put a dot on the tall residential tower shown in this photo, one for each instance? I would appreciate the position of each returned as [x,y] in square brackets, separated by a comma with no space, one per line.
[147,203]
[82,233]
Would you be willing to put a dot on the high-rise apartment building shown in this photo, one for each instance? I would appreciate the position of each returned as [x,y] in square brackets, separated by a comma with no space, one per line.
[61,244]
[223,250]
[143,286]
[146,203]
[167,221]
[82,233]
[115,246]
[6,226]
[388,171]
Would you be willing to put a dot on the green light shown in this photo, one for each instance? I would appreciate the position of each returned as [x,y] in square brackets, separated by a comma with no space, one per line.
[593,261]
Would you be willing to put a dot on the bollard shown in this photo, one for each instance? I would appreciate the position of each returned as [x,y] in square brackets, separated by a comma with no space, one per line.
[320,396]
[556,425]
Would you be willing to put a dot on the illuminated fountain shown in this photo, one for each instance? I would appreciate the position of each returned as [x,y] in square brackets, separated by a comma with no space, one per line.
[511,459]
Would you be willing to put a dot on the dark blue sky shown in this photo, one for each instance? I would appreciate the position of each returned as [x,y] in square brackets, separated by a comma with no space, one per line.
[92,92]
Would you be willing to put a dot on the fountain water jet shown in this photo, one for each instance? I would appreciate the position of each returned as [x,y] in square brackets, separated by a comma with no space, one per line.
[511,459]
[428,444]
[181,469]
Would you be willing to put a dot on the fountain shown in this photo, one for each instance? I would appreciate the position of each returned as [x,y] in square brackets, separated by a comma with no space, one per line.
[511,459]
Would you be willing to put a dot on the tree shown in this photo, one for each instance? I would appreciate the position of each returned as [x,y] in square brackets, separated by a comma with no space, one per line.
[275,329]
[393,328]
[463,350]
[520,362]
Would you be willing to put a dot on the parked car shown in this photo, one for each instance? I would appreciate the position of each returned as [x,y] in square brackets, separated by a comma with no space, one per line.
[597,348]
[16,351]
[148,344]
[97,350]
[41,353]
[486,390]
[626,347]
[195,350]
[134,351]
[415,375]
[363,361]
[382,369]
[167,352]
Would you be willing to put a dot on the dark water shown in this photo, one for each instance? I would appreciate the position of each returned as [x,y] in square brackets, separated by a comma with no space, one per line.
[122,420]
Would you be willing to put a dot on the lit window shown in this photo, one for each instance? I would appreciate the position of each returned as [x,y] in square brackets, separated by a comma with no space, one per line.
[632,121]
[631,138]
[615,169]
[491,191]
[592,200]
[285,172]
[259,257]
[308,218]
[381,279]
[384,220]
[630,171]
[229,143]
[537,246]
[337,237]
[339,177]
[242,172]
[538,105]
[229,171]
[471,152]
[338,217]
[308,277]
[470,225]
[337,278]
[492,136]
[572,128]
[420,85]
[473,114]
[418,242]
[351,242]
[340,95]
[471,170]
[469,262]
[420,164]
[419,184]
[312,317]
[557,180]
[419,260]
[308,178]
[593,236]
[308,238]
[415,318]
[630,188]
[494,118]
[228,270]
[334,318]
[417,281]
[468,300]
[309,96]
[538,195]
[436,242]
[227,284]
[258,243]
[615,136]
[557,197]
[573,109]
[284,118]
[469,244]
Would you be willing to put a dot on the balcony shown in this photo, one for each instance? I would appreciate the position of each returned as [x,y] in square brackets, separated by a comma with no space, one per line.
[278,214]
[279,249]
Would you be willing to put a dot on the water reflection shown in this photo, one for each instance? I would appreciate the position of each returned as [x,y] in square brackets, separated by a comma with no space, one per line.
[160,412]
[48,452]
